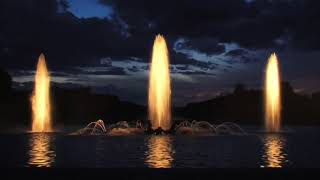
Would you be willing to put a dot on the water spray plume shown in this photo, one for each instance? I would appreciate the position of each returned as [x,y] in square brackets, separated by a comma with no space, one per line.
[272,95]
[40,100]
[160,86]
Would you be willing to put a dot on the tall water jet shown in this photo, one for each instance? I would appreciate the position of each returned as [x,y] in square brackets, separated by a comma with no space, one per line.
[272,95]
[159,99]
[40,100]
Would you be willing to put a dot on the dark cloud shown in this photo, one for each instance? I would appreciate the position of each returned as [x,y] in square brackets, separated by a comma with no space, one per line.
[257,24]
[240,56]
[108,71]
[180,58]
[196,73]
[134,69]
[203,45]
[29,85]
[237,53]
[29,27]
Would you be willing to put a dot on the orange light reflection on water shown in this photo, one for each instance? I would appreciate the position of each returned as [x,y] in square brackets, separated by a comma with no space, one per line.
[40,153]
[274,155]
[160,152]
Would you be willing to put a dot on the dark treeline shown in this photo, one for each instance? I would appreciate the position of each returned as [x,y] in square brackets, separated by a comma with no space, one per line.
[69,106]
[80,106]
[246,106]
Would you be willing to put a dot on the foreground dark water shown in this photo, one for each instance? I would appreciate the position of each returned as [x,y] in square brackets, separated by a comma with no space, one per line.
[298,147]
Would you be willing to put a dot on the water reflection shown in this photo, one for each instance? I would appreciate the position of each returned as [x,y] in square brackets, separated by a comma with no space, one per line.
[40,153]
[160,152]
[274,155]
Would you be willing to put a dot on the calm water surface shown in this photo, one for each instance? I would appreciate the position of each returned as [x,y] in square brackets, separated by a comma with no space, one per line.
[298,147]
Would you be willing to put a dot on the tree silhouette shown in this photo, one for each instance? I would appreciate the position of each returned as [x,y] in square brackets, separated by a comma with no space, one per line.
[239,88]
[5,83]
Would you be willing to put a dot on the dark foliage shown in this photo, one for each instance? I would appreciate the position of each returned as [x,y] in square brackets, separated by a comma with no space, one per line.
[80,106]
[246,107]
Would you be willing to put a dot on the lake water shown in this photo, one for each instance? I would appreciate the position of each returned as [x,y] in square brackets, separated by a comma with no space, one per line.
[297,147]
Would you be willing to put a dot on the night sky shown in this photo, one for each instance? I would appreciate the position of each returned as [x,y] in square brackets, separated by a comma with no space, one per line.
[213,44]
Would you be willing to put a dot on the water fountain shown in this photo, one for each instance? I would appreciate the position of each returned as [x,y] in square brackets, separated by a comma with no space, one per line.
[93,128]
[159,100]
[272,95]
[159,106]
[120,128]
[206,128]
[185,127]
[41,110]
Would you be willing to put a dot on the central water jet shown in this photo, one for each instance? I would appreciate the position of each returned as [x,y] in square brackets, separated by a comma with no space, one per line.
[159,99]
[272,95]
[41,110]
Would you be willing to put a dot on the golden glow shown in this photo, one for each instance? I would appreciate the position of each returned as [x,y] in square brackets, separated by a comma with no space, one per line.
[160,152]
[41,115]
[160,86]
[274,156]
[272,95]
[40,153]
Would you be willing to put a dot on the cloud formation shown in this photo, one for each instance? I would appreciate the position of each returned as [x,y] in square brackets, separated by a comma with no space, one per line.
[213,44]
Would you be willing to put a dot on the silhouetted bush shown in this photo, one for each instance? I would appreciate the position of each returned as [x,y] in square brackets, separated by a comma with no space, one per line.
[246,107]
[80,106]
[5,84]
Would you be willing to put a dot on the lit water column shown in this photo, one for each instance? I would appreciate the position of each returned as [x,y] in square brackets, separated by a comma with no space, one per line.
[272,95]
[40,100]
[159,100]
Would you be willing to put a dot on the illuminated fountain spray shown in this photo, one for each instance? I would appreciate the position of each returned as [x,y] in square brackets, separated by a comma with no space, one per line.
[41,119]
[272,95]
[159,107]
[159,99]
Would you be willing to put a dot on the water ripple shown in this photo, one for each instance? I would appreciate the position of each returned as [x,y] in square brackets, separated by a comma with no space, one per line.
[40,153]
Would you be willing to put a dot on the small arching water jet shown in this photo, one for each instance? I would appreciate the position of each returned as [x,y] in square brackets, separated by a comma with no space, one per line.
[121,128]
[40,100]
[159,100]
[205,128]
[272,95]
